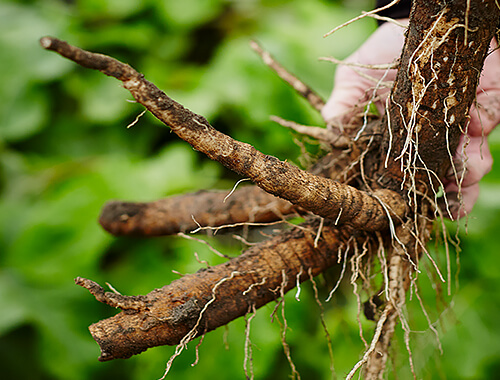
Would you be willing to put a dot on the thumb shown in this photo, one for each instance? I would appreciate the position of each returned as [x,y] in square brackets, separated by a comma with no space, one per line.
[350,90]
[486,115]
[357,85]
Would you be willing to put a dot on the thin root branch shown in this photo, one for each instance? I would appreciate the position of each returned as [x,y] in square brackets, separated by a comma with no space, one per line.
[314,99]
[363,15]
[248,361]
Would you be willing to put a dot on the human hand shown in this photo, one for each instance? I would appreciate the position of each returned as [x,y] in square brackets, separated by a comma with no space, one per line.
[473,157]
[353,87]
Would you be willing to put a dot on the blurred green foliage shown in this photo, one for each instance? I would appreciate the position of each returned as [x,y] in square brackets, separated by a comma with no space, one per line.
[65,151]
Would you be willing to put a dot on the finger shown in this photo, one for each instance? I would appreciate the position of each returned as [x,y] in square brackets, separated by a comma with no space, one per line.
[486,115]
[474,157]
[461,207]
[353,85]
[350,90]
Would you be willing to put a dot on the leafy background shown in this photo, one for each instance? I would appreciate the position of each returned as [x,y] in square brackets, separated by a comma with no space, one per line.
[65,151]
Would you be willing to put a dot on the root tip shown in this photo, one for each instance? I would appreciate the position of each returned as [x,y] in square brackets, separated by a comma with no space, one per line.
[46,42]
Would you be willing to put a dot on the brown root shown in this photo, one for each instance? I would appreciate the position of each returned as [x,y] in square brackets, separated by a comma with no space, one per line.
[200,302]
[319,195]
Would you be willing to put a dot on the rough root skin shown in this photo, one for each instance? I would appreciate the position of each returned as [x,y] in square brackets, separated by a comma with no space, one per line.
[319,195]
[372,215]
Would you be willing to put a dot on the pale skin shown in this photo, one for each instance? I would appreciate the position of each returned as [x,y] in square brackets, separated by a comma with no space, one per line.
[384,47]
